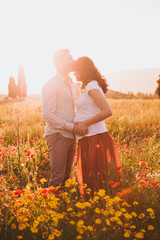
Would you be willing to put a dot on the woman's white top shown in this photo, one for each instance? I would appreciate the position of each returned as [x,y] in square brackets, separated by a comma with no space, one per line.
[87,108]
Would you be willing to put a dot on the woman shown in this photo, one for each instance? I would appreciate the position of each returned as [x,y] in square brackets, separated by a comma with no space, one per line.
[96,149]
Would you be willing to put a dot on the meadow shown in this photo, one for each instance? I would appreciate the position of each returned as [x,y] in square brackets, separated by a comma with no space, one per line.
[126,209]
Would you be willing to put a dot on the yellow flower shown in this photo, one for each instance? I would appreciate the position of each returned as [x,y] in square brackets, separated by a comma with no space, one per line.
[47,218]
[43,180]
[114,219]
[87,204]
[90,228]
[25,219]
[112,212]
[98,221]
[152,215]
[119,223]
[51,236]
[118,214]
[108,222]
[88,191]
[101,193]
[80,223]
[67,184]
[84,185]
[11,218]
[69,209]
[128,216]
[135,203]
[125,204]
[19,237]
[150,227]
[79,237]
[142,215]
[55,221]
[57,233]
[132,227]
[96,198]
[19,219]
[73,214]
[139,235]
[126,225]
[123,210]
[34,230]
[53,204]
[126,234]
[72,222]
[116,200]
[73,190]
[80,205]
[13,226]
[104,229]
[97,210]
[80,230]
[134,214]
[150,210]
[106,213]
[79,214]
[41,218]
[22,226]
[35,223]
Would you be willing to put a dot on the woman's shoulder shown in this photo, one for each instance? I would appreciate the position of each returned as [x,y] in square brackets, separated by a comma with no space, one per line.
[93,82]
[92,85]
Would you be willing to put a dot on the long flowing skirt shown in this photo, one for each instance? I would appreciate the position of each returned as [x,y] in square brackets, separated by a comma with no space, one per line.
[94,156]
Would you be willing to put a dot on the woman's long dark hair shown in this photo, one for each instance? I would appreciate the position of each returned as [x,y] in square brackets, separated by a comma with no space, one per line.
[87,71]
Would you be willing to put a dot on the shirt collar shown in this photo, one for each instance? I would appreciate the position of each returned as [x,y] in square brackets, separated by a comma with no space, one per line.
[62,78]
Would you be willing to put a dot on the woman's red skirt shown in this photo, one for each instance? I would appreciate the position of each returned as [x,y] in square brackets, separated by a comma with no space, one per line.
[94,156]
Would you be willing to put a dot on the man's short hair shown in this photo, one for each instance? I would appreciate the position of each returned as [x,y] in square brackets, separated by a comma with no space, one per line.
[59,56]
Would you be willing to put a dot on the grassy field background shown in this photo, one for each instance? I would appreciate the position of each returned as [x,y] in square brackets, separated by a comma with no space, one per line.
[25,168]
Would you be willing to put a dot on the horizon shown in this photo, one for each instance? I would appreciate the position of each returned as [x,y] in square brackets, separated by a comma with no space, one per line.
[117,36]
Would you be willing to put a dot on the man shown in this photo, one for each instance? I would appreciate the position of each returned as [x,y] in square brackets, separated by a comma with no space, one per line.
[58,98]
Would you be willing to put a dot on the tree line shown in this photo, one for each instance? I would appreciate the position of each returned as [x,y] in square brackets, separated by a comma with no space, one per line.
[20,89]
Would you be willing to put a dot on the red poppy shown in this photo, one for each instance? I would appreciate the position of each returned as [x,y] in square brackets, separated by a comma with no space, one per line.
[39,164]
[154,183]
[46,160]
[148,168]
[142,163]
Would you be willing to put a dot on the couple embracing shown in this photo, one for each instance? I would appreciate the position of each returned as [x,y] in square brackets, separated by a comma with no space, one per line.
[71,115]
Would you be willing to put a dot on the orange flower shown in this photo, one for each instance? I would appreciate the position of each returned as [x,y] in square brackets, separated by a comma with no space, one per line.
[142,163]
[46,160]
[154,183]
[39,164]
[110,182]
[126,191]
[119,194]
[148,168]
[114,185]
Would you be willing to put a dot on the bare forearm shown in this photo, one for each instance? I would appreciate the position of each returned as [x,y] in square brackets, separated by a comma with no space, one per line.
[99,117]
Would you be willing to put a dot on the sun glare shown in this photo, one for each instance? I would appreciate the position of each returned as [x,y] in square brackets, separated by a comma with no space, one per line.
[106,32]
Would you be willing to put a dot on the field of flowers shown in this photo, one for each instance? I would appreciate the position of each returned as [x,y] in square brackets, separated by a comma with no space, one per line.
[129,209]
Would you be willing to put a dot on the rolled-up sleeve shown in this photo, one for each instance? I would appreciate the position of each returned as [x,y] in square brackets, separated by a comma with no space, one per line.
[49,102]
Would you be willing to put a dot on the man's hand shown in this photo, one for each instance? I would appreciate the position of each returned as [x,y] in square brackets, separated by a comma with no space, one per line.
[80,128]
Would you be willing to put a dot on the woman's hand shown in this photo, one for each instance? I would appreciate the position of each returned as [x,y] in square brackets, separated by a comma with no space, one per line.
[80,128]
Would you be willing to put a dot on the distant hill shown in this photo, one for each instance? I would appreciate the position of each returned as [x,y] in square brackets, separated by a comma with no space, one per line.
[138,80]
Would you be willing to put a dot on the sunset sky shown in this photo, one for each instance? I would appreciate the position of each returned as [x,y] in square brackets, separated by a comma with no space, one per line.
[116,34]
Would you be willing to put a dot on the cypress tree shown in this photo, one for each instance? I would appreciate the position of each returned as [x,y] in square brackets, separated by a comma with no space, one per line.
[158,87]
[12,88]
[21,85]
